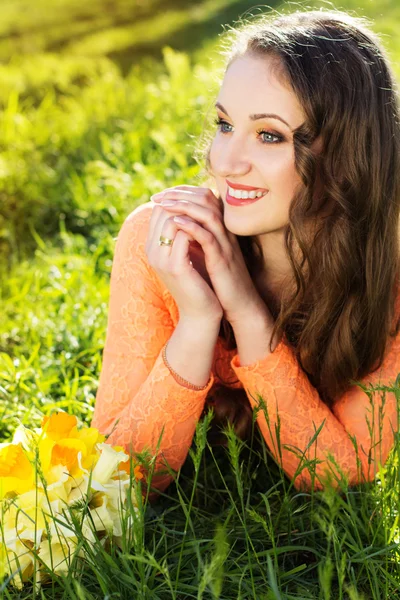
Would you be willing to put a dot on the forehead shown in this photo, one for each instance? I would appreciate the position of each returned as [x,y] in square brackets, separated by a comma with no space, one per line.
[255,84]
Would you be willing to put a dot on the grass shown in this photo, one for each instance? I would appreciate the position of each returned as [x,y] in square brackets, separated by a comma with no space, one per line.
[84,140]
[234,527]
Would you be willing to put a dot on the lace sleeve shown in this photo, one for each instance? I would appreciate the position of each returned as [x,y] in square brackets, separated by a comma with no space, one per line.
[135,386]
[294,408]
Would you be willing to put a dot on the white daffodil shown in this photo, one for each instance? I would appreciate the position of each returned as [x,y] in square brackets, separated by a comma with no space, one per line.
[100,519]
[62,526]
[26,437]
[57,554]
[107,463]
[17,560]
[79,494]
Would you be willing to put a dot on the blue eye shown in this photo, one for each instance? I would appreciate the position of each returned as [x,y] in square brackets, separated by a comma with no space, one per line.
[220,123]
[278,138]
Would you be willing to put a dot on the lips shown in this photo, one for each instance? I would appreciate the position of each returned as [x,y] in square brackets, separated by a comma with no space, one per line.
[239,186]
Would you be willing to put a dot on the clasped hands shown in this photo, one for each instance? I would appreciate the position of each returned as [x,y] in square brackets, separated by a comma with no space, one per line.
[226,267]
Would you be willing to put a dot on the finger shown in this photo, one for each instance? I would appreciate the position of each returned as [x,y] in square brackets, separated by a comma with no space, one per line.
[156,224]
[163,217]
[155,215]
[173,193]
[179,255]
[169,231]
[209,243]
[164,227]
[160,215]
[208,217]
[198,195]
[157,220]
[190,188]
[193,193]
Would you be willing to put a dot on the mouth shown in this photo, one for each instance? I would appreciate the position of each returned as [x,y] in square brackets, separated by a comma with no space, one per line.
[236,197]
[241,186]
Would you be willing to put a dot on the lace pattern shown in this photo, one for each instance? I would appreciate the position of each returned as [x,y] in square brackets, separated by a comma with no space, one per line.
[137,390]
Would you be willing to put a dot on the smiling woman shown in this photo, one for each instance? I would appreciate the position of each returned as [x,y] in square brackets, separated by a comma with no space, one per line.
[297,229]
[263,157]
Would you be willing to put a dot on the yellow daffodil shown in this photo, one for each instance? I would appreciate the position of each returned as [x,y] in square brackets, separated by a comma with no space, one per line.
[59,425]
[63,452]
[51,479]
[58,483]
[90,437]
[125,466]
[16,471]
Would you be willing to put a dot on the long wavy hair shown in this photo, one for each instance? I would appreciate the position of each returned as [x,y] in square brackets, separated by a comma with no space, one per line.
[341,313]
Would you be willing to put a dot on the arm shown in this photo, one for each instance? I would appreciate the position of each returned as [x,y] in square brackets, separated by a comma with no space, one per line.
[294,406]
[135,385]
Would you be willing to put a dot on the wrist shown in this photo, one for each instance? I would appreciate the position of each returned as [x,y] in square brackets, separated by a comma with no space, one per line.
[253,318]
[206,323]
[253,338]
[190,351]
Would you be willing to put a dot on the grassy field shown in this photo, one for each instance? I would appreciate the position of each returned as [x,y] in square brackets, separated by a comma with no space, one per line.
[101,105]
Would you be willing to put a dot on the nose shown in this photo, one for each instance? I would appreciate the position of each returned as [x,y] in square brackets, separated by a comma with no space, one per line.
[228,158]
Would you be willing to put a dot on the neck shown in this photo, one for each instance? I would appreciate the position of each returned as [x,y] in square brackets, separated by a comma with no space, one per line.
[277,271]
[276,282]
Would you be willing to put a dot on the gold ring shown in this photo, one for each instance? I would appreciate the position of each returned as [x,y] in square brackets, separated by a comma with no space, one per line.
[164,241]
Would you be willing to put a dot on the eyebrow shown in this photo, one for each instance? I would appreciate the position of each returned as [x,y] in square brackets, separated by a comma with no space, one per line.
[257,115]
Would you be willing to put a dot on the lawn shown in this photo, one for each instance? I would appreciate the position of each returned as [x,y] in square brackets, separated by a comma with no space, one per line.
[102,105]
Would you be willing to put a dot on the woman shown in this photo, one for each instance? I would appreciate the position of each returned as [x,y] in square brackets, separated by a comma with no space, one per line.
[281,297]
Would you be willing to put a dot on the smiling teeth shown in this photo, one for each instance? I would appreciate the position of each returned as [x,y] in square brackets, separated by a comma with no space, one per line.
[242,194]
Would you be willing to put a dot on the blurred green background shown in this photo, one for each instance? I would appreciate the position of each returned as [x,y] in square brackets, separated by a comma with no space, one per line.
[101,105]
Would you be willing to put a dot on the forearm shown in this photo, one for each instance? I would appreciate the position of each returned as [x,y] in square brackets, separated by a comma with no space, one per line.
[190,349]
[253,335]
[292,412]
[162,416]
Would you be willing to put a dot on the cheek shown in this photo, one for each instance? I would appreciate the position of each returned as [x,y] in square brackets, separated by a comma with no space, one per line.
[283,173]
[213,153]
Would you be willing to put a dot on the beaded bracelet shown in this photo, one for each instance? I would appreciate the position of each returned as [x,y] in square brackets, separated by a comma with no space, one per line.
[178,378]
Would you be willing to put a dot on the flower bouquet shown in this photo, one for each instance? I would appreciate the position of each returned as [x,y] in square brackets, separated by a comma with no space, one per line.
[58,484]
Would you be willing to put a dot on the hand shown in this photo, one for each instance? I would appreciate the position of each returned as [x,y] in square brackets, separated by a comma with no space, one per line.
[224,261]
[194,297]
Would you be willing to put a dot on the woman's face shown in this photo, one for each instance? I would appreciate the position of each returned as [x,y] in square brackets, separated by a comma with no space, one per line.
[256,152]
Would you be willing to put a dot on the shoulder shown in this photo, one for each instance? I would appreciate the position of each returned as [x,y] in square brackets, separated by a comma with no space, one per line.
[134,230]
[138,220]
[130,249]
[141,213]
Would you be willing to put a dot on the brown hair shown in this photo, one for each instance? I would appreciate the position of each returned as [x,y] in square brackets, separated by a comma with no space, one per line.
[339,317]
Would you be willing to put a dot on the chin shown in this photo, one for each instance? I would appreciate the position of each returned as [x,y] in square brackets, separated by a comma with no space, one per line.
[237,230]
[237,225]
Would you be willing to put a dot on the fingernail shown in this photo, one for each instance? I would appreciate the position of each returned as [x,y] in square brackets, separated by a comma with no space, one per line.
[156,197]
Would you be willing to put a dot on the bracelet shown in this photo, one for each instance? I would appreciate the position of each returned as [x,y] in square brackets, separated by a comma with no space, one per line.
[178,378]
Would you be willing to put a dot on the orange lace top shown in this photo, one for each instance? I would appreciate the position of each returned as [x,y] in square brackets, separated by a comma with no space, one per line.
[137,387]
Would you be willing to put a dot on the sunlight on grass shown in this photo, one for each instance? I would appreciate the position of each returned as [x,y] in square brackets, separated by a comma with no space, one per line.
[81,147]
